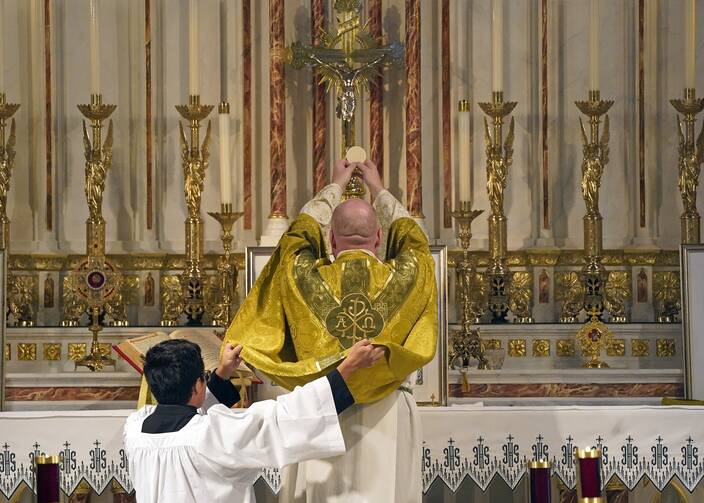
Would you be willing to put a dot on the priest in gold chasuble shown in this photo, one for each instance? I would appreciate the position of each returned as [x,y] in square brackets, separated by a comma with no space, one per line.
[308,308]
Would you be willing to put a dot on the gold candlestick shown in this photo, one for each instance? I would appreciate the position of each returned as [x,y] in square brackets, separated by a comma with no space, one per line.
[596,156]
[96,360]
[691,157]
[499,157]
[467,343]
[195,157]
[222,310]
[7,163]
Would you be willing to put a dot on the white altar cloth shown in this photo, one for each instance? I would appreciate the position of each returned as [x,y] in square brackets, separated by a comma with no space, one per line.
[458,442]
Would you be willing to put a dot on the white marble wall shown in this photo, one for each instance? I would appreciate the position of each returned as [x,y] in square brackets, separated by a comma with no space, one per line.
[123,83]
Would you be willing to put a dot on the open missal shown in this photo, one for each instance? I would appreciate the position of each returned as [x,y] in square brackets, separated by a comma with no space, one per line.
[134,350]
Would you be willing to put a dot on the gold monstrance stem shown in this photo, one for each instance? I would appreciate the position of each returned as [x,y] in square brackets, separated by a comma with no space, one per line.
[499,157]
[195,159]
[227,283]
[691,156]
[467,343]
[595,150]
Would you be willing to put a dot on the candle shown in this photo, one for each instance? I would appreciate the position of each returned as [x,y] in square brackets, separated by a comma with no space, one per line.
[2,46]
[594,46]
[691,39]
[225,173]
[223,50]
[463,170]
[497,46]
[94,49]
[193,83]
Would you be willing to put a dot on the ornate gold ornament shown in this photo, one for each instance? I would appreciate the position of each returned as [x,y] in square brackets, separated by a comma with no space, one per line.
[640,348]
[596,156]
[616,347]
[7,163]
[27,351]
[76,350]
[52,351]
[570,292]
[616,293]
[517,348]
[492,344]
[666,292]
[592,339]
[348,59]
[223,291]
[471,294]
[195,158]
[665,348]
[520,294]
[21,298]
[541,348]
[499,157]
[8,352]
[689,163]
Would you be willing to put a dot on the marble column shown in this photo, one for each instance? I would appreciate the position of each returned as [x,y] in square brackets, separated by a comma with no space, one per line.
[446,118]
[320,125]
[414,182]
[247,112]
[376,96]
[278,220]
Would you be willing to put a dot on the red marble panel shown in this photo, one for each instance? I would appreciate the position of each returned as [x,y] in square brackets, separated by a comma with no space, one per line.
[73,393]
[247,112]
[48,135]
[414,181]
[446,118]
[148,89]
[277,102]
[568,390]
[376,96]
[320,126]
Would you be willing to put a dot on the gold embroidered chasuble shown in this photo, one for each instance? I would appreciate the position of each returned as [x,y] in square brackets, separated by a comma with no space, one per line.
[304,311]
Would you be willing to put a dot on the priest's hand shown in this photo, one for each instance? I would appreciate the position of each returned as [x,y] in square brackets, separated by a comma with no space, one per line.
[362,355]
[342,172]
[229,361]
[371,177]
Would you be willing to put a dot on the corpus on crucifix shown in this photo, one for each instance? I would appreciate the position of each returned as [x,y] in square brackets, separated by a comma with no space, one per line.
[347,59]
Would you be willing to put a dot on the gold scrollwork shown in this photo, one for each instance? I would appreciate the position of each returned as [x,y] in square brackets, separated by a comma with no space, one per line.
[565,347]
[492,344]
[521,295]
[76,351]
[618,291]
[171,300]
[52,351]
[517,348]
[640,348]
[541,348]
[665,348]
[27,351]
[569,290]
[616,347]
[666,292]
[21,298]
[8,352]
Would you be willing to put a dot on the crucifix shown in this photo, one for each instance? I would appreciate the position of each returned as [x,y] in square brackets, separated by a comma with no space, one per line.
[347,59]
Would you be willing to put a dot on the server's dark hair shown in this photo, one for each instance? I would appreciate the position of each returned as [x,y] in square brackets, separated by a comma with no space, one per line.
[172,368]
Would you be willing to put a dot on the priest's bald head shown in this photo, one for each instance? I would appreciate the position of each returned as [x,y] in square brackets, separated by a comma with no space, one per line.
[354,226]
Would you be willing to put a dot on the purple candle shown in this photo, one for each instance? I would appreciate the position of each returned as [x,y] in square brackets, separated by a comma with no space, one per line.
[540,490]
[48,488]
[589,471]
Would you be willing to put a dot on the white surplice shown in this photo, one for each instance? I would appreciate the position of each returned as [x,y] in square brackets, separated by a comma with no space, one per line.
[217,456]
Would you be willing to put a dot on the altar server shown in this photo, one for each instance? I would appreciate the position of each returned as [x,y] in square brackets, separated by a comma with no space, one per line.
[189,448]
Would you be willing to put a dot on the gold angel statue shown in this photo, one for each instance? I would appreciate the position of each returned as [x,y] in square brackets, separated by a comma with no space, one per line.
[596,157]
[7,158]
[98,161]
[690,160]
[194,170]
[497,166]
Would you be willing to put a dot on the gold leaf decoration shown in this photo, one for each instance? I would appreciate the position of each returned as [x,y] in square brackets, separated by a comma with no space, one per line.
[616,347]
[640,347]
[517,348]
[26,351]
[541,347]
[52,351]
[665,348]
[76,351]
[565,347]
[492,344]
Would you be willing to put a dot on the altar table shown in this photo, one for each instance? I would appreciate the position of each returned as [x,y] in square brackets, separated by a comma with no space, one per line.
[465,441]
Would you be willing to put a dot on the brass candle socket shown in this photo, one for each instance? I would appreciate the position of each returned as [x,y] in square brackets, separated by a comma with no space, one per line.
[691,156]
[467,344]
[222,309]
[499,157]
[195,158]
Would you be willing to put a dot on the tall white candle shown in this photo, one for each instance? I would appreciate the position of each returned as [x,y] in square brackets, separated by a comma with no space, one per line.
[223,50]
[594,46]
[463,171]
[193,82]
[225,172]
[690,43]
[94,49]
[497,45]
